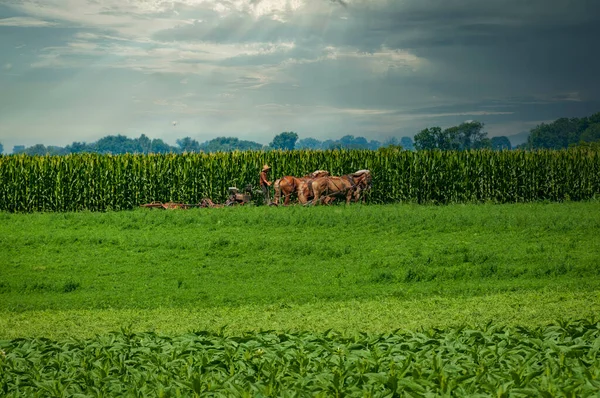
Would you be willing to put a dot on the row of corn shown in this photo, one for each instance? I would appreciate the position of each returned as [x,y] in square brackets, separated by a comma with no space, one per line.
[106,182]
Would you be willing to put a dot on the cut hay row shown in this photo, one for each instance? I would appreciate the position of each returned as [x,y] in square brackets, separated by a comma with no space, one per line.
[105,182]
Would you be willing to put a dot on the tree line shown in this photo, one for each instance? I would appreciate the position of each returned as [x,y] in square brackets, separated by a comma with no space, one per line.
[562,133]
[119,144]
[566,132]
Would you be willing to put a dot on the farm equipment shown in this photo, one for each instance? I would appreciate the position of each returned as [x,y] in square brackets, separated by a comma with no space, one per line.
[206,202]
[168,205]
[175,206]
[235,198]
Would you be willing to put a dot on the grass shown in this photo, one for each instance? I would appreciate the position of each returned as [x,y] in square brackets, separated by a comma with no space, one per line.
[386,315]
[375,268]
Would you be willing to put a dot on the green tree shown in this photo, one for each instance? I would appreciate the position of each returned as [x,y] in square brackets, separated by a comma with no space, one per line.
[188,144]
[56,150]
[473,136]
[285,140]
[407,143]
[467,135]
[78,147]
[564,132]
[500,143]
[390,141]
[144,144]
[351,142]
[390,144]
[228,144]
[556,135]
[37,149]
[1,148]
[116,144]
[159,146]
[309,143]
[329,144]
[591,134]
[433,138]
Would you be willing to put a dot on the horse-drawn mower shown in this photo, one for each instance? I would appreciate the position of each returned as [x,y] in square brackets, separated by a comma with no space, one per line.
[317,187]
[238,198]
[235,198]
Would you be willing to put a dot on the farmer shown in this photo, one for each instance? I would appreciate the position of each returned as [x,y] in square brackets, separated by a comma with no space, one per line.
[265,183]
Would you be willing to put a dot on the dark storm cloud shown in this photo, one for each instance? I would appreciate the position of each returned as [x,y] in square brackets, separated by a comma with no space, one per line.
[551,38]
[477,51]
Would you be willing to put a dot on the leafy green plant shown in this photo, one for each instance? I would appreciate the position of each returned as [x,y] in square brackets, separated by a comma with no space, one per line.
[561,359]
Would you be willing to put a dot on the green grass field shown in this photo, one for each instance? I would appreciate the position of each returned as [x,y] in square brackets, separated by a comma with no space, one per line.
[356,268]
[460,300]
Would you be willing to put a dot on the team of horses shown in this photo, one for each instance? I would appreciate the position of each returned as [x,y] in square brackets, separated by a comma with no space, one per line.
[319,187]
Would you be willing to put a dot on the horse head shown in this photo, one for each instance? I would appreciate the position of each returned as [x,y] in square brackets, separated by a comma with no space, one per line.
[319,173]
[363,179]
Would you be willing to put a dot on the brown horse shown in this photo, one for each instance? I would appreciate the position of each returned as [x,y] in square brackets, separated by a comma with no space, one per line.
[289,184]
[364,183]
[326,189]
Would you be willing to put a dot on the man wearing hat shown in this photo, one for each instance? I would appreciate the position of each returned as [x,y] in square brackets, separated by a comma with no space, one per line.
[265,184]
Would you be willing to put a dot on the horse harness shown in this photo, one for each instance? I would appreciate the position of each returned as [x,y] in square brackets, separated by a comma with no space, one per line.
[347,177]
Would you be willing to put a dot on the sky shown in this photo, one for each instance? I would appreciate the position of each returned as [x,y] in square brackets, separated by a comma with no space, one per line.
[78,70]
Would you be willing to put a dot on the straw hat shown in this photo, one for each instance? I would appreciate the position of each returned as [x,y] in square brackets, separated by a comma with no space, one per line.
[266,167]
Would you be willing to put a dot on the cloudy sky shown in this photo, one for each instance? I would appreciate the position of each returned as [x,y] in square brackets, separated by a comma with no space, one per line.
[77,70]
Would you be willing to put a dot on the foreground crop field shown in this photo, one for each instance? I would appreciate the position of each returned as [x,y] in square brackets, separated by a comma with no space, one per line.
[456,300]
[559,360]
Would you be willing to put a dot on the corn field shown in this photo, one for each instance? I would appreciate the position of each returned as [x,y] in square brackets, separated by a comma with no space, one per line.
[106,182]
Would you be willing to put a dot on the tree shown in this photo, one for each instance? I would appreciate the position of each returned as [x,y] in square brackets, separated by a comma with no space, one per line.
[564,132]
[407,143]
[473,137]
[309,143]
[228,144]
[390,145]
[78,147]
[374,144]
[159,146]
[500,143]
[556,135]
[432,138]
[285,140]
[18,149]
[346,142]
[1,148]
[351,142]
[116,144]
[391,141]
[37,149]
[188,145]
[328,144]
[467,135]
[144,144]
[591,134]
